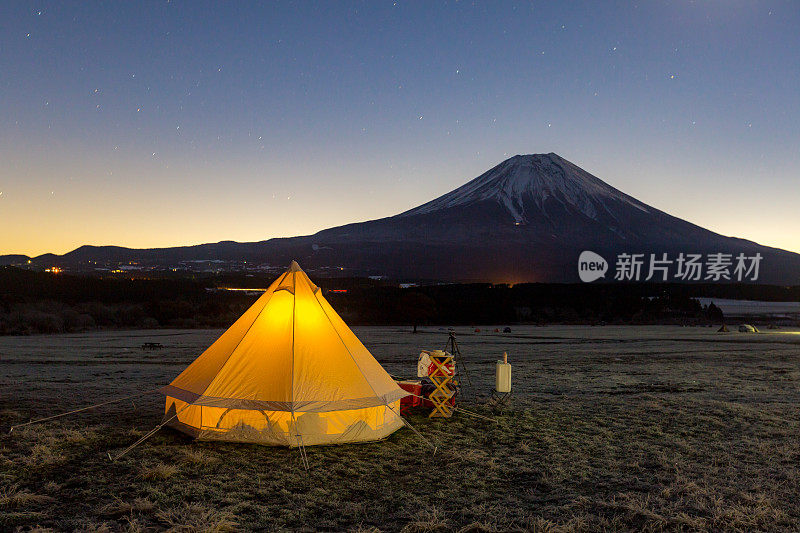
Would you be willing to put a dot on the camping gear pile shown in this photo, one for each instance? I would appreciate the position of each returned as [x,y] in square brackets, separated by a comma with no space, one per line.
[439,395]
[441,374]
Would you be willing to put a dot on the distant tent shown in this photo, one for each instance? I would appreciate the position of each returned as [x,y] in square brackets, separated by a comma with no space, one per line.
[723,329]
[288,372]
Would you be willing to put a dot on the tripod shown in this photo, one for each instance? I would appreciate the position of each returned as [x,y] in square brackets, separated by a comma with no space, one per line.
[461,367]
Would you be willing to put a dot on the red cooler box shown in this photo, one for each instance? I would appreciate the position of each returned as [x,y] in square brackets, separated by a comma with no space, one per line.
[414,387]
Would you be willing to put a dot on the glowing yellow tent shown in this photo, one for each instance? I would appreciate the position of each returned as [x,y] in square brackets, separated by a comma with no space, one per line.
[288,372]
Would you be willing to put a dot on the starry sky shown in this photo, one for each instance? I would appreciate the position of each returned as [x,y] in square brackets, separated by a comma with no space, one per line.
[150,124]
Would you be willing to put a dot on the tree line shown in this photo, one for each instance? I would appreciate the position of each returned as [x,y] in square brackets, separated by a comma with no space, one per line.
[35,302]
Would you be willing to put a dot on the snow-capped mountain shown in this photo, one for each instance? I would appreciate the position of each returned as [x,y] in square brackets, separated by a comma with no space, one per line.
[525,184]
[527,219]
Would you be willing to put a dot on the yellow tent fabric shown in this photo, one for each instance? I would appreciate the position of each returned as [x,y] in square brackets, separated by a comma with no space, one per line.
[288,372]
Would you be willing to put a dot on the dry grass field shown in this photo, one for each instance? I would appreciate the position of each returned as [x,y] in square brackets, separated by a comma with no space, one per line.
[610,428]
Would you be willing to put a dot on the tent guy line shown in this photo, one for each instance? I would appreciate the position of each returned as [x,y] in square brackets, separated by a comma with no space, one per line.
[83,409]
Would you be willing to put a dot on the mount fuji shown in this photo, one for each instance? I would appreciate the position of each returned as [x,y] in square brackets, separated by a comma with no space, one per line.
[526,220]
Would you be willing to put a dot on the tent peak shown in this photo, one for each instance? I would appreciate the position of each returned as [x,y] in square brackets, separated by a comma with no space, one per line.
[294,267]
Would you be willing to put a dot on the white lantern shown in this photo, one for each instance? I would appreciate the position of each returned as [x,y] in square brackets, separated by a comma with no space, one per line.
[502,382]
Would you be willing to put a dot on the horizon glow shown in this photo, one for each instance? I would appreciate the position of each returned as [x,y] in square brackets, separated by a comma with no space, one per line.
[179,123]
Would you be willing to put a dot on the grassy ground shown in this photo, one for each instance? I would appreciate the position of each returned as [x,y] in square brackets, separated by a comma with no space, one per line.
[609,429]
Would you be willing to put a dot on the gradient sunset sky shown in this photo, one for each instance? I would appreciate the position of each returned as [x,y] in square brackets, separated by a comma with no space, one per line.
[149,124]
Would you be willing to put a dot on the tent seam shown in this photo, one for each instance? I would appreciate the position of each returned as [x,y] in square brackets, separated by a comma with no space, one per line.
[291,382]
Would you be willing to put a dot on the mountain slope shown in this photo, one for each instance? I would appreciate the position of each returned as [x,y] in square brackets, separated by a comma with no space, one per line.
[527,219]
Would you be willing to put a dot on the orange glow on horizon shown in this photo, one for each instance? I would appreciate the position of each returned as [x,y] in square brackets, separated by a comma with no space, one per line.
[43,215]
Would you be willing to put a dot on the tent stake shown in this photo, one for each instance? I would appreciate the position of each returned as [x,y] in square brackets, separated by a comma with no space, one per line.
[300,445]
[303,455]
[81,409]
